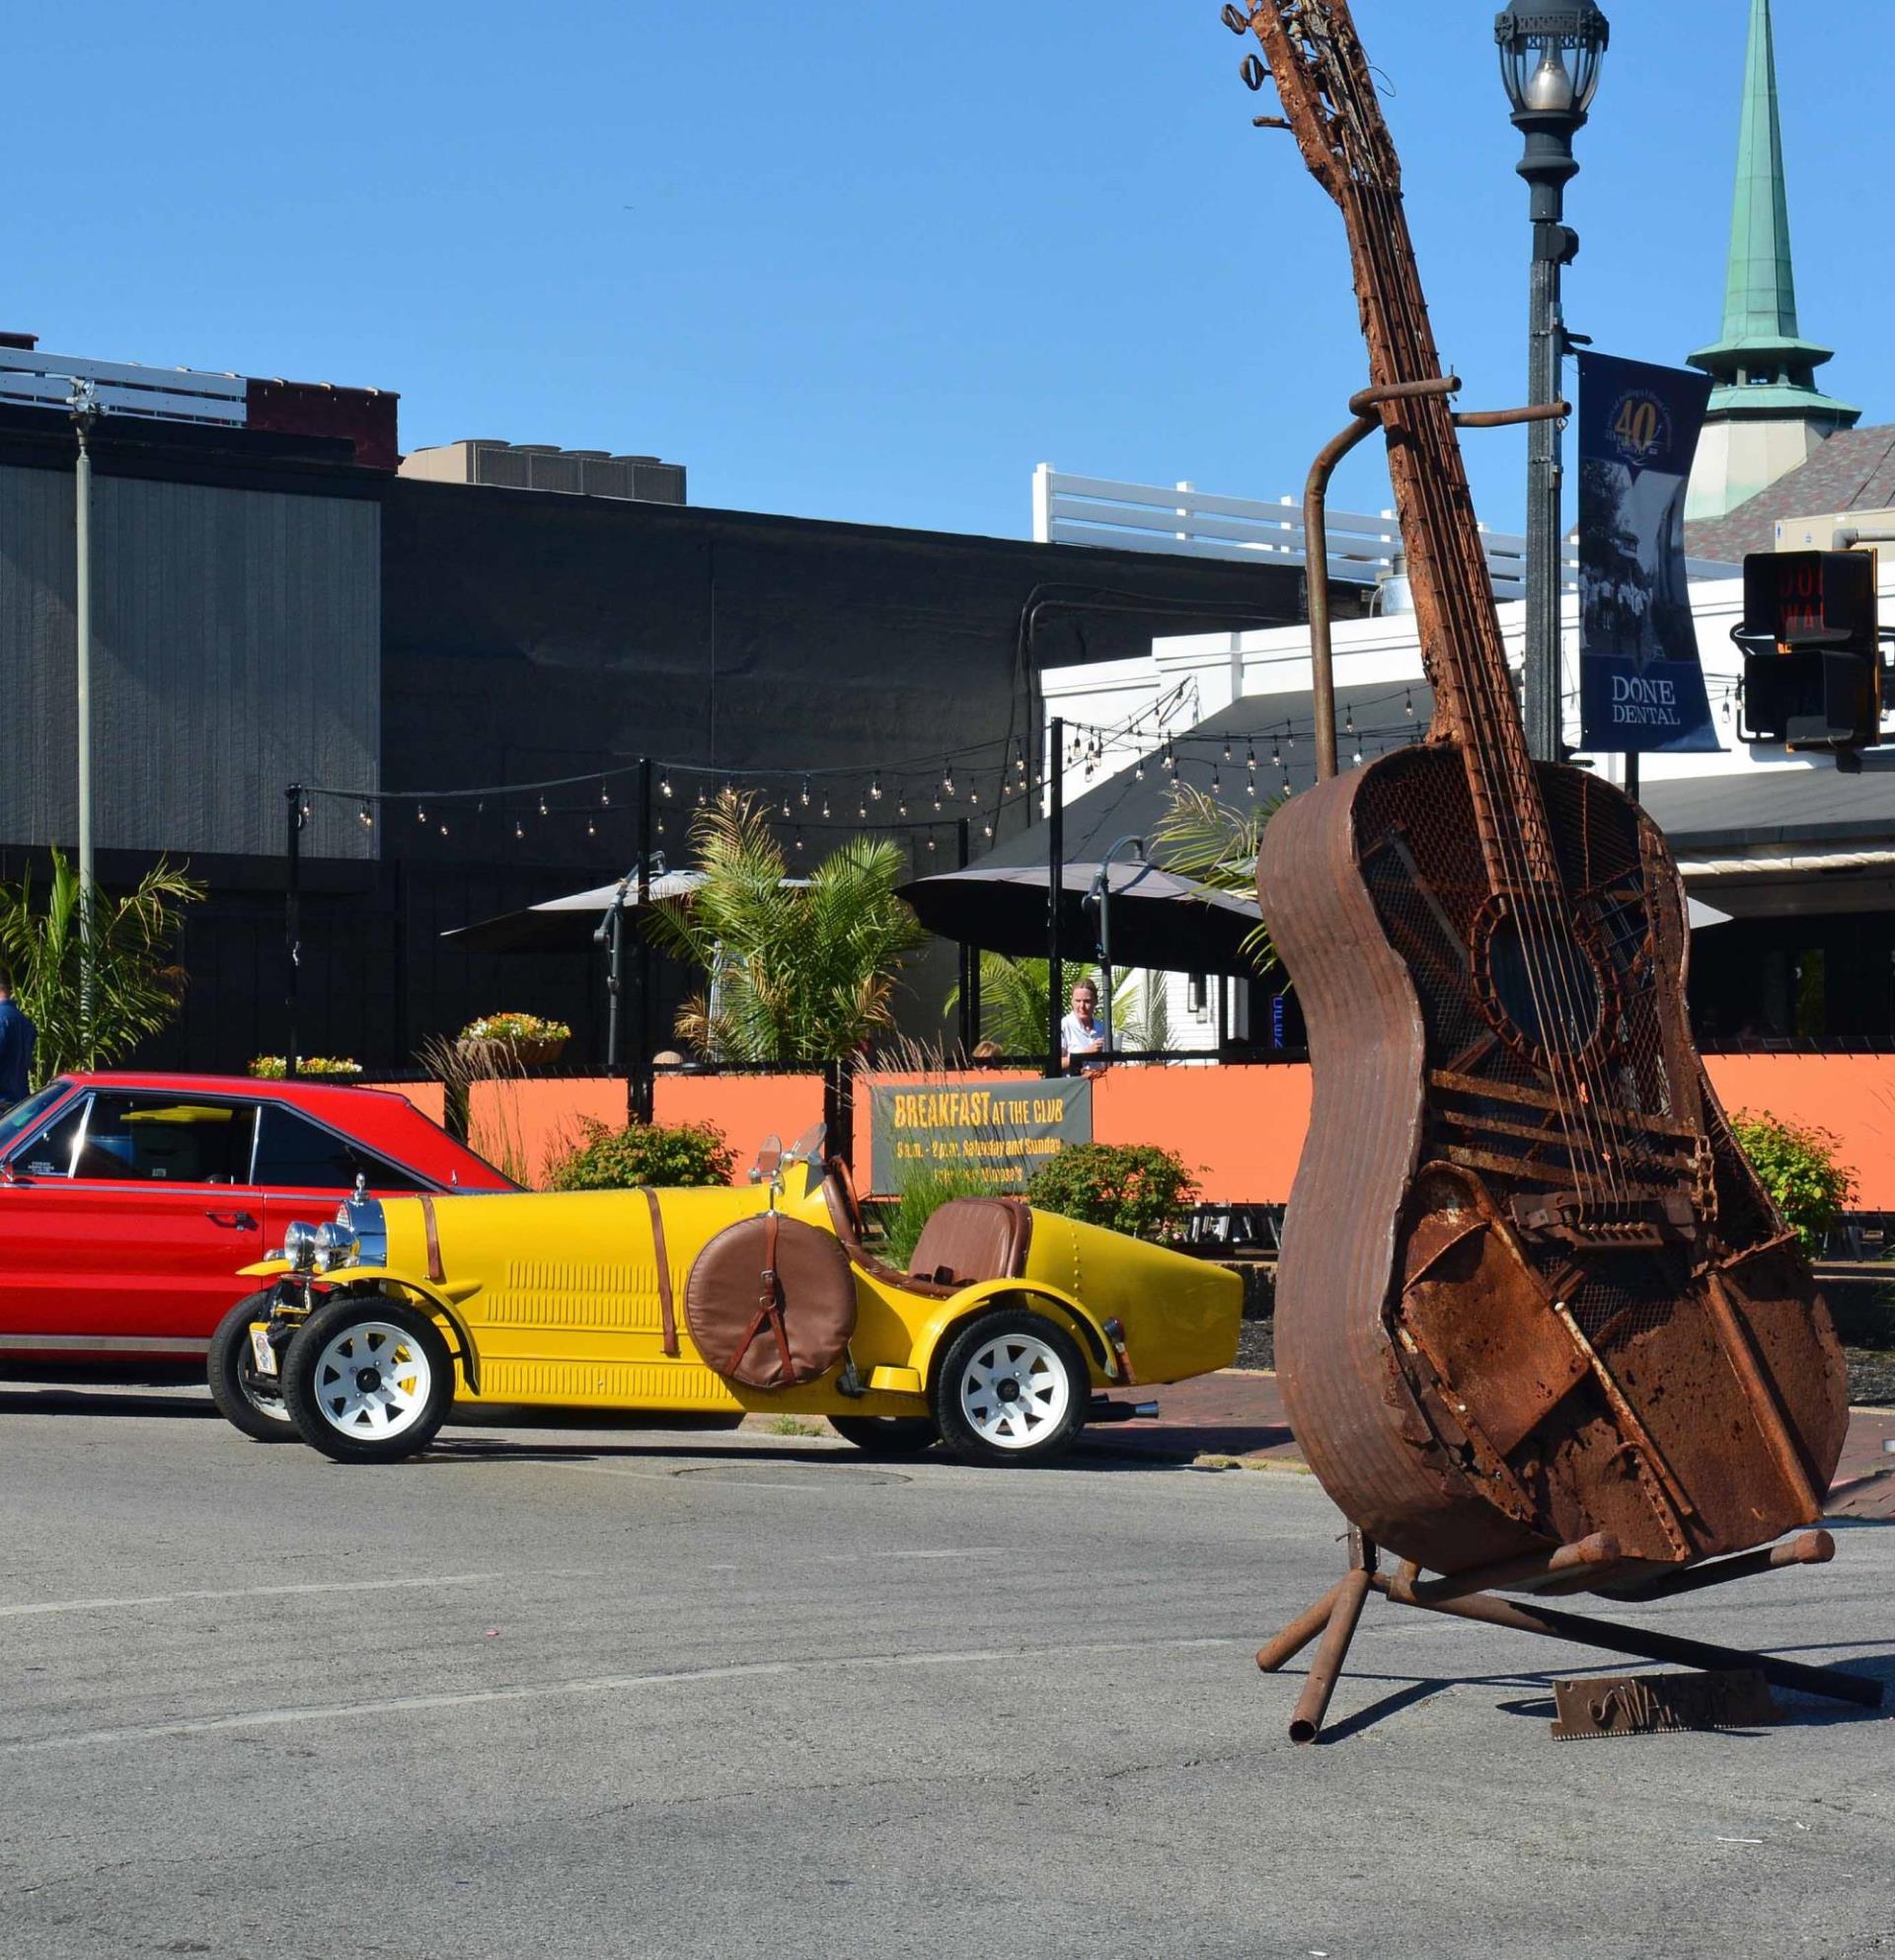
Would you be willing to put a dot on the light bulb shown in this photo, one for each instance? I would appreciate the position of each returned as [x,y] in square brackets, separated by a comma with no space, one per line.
[1549,87]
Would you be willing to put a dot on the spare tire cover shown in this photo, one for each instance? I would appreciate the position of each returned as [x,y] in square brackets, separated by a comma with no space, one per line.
[725,1294]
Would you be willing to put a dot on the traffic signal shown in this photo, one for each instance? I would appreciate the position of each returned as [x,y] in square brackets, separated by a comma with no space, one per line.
[1812,654]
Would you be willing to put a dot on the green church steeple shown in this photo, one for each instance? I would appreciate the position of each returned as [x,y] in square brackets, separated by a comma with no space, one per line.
[1764,367]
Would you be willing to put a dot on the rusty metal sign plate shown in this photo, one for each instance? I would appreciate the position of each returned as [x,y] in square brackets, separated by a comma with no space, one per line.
[1661,1703]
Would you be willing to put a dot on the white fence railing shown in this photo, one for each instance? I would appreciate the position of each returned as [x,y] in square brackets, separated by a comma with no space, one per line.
[1184,521]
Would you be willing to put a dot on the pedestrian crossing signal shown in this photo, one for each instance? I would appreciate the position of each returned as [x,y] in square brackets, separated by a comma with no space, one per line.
[1812,651]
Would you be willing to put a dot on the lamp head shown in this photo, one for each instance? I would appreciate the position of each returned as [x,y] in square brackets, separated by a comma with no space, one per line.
[1551,56]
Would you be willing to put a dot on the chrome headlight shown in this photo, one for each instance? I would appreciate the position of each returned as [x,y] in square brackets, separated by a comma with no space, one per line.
[333,1246]
[299,1245]
[365,1225]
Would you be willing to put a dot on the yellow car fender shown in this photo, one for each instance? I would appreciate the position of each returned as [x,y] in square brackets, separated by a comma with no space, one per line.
[444,1301]
[940,1325]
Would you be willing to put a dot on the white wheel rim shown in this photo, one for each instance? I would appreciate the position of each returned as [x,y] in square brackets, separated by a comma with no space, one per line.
[1014,1391]
[267,1404]
[373,1381]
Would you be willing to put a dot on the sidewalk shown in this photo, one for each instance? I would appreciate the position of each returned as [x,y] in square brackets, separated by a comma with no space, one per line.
[1237,1416]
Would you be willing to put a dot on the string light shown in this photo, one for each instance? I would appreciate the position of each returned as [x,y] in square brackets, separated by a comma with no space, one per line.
[421,815]
[803,794]
[874,788]
[797,845]
[1138,770]
[664,783]
[605,799]
[825,806]
[946,777]
[1356,755]
[519,829]
[1249,760]
[543,809]
[591,827]
[1277,756]
[901,803]
[366,817]
[930,841]
[702,798]
[1020,756]
[1407,703]
[1217,781]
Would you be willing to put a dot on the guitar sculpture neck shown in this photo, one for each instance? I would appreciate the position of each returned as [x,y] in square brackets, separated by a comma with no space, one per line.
[1330,101]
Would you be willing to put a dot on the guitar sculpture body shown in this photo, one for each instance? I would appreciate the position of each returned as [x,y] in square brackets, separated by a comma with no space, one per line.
[1530,1288]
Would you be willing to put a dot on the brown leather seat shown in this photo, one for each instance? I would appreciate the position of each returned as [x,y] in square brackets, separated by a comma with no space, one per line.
[966,1240]
[974,1238]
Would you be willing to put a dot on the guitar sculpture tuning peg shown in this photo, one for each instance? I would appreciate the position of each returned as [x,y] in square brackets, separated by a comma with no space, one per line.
[1254,73]
[1235,18]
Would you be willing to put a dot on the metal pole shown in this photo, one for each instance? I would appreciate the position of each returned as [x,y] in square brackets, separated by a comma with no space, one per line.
[969,960]
[645,1089]
[1316,549]
[82,632]
[84,408]
[1547,166]
[292,923]
[1055,877]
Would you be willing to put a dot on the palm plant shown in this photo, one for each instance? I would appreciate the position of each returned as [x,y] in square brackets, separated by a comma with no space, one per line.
[1215,847]
[93,974]
[798,970]
[1015,1000]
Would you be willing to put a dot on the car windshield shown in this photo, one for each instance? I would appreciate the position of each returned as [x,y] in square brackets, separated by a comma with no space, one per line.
[17,1121]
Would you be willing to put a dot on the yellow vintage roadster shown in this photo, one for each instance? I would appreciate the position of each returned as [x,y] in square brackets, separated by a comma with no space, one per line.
[999,1340]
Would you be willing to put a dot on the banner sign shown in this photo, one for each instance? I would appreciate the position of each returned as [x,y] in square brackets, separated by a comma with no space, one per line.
[1641,686]
[1004,1131]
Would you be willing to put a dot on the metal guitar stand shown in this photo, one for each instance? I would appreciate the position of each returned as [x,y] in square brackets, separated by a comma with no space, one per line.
[1465,1596]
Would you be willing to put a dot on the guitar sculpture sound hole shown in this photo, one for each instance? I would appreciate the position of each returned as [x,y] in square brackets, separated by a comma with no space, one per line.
[1541,987]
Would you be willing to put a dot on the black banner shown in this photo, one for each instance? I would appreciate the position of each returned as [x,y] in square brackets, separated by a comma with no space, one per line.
[1640,685]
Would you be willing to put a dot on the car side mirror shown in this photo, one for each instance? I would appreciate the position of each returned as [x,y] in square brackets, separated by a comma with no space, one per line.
[8,1174]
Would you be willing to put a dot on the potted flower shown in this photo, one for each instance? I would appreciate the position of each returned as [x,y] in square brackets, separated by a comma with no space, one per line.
[533,1042]
[271,1068]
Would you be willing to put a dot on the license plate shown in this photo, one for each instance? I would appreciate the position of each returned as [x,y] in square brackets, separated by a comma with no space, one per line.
[260,1351]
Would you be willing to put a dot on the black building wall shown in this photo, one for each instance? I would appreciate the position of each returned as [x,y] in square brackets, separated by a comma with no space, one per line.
[527,635]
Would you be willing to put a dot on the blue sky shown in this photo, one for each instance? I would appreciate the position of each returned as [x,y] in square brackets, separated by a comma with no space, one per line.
[852,261]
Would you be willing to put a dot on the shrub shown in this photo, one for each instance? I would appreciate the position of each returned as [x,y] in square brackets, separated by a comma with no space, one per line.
[1137,1188]
[1796,1163]
[607,1160]
[271,1068]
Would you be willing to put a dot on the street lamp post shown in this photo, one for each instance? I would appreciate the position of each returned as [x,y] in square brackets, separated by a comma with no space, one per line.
[1549,59]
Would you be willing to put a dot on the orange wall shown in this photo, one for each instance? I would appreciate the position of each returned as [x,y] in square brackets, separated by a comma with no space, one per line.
[1239,1129]
[1851,1094]
[746,1109]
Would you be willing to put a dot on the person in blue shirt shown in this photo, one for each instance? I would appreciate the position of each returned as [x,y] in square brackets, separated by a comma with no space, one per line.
[16,1036]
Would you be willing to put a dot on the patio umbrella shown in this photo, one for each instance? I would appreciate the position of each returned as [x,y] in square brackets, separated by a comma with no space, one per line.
[565,924]
[1159,919]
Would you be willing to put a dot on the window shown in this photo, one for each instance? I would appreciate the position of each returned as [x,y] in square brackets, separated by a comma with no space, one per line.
[164,1140]
[50,1154]
[17,1121]
[303,1155]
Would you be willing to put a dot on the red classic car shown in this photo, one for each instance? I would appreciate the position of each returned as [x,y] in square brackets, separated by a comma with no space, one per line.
[128,1203]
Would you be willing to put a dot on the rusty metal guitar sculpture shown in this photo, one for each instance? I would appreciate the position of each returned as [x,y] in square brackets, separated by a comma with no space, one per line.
[1536,1317]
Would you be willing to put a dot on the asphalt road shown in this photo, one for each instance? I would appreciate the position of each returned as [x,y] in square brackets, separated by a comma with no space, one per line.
[642,1693]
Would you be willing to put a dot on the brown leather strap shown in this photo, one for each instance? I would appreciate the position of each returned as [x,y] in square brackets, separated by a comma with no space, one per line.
[664,1271]
[769,1305]
[436,1272]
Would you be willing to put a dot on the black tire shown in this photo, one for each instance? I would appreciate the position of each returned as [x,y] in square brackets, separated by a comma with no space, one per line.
[1035,1422]
[345,1396]
[245,1400]
[888,1435]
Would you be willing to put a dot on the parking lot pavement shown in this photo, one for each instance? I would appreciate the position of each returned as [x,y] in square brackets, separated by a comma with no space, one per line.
[634,1693]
